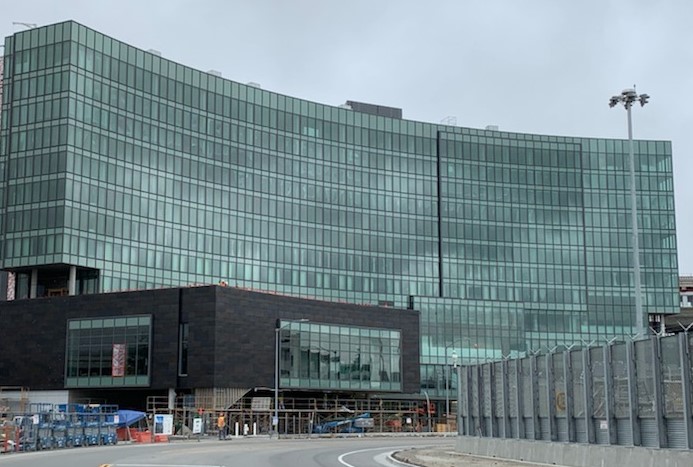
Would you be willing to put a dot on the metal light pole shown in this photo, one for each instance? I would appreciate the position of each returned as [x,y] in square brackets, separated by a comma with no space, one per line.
[447,378]
[459,398]
[458,371]
[627,98]
[275,418]
[447,392]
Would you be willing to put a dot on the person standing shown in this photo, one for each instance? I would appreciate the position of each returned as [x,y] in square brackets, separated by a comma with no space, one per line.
[221,426]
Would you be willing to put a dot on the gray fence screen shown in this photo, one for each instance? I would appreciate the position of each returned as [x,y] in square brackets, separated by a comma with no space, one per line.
[625,393]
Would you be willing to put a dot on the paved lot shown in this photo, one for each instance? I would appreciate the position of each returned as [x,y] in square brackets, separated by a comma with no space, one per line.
[446,456]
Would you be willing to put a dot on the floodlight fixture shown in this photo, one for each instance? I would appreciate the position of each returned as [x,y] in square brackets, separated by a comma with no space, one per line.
[627,98]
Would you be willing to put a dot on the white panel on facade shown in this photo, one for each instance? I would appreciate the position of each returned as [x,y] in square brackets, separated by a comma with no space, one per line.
[39,397]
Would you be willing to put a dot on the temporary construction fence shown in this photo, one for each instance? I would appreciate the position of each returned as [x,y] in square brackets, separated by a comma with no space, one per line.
[633,393]
[252,415]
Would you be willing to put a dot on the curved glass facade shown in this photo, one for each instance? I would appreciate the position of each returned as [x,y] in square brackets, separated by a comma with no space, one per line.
[145,173]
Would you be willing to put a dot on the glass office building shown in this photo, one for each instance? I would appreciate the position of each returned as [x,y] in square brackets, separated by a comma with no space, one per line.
[124,170]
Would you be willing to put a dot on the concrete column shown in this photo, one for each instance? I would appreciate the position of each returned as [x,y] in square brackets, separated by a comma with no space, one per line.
[11,285]
[72,281]
[33,286]
[171,398]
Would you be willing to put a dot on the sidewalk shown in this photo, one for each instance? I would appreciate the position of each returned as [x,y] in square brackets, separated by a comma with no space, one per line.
[446,456]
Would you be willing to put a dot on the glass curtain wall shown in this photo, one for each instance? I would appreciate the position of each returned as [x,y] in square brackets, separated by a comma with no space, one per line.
[156,174]
[108,352]
[320,356]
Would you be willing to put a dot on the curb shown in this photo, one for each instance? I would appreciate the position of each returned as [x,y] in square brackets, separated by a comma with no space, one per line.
[396,462]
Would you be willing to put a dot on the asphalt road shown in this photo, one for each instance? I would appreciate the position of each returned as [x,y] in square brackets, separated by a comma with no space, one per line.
[349,452]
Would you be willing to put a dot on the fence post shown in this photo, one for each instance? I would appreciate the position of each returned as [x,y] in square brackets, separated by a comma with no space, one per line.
[481,428]
[686,387]
[550,397]
[633,411]
[468,427]
[659,407]
[609,396]
[493,399]
[458,415]
[589,395]
[505,401]
[568,399]
[520,432]
[535,396]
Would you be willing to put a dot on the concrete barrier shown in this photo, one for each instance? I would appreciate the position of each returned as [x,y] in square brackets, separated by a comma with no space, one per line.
[572,454]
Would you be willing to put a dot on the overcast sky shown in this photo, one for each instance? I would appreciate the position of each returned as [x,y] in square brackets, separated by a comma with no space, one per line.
[537,66]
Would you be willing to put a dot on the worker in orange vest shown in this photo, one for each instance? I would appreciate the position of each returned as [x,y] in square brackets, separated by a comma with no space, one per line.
[221,425]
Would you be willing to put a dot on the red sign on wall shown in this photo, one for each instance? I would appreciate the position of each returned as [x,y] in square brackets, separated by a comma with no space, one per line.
[118,360]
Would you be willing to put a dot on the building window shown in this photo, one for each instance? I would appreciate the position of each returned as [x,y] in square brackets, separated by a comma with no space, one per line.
[183,350]
[108,352]
[322,356]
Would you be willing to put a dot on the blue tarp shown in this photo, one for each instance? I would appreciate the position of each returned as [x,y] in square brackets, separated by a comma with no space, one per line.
[128,417]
